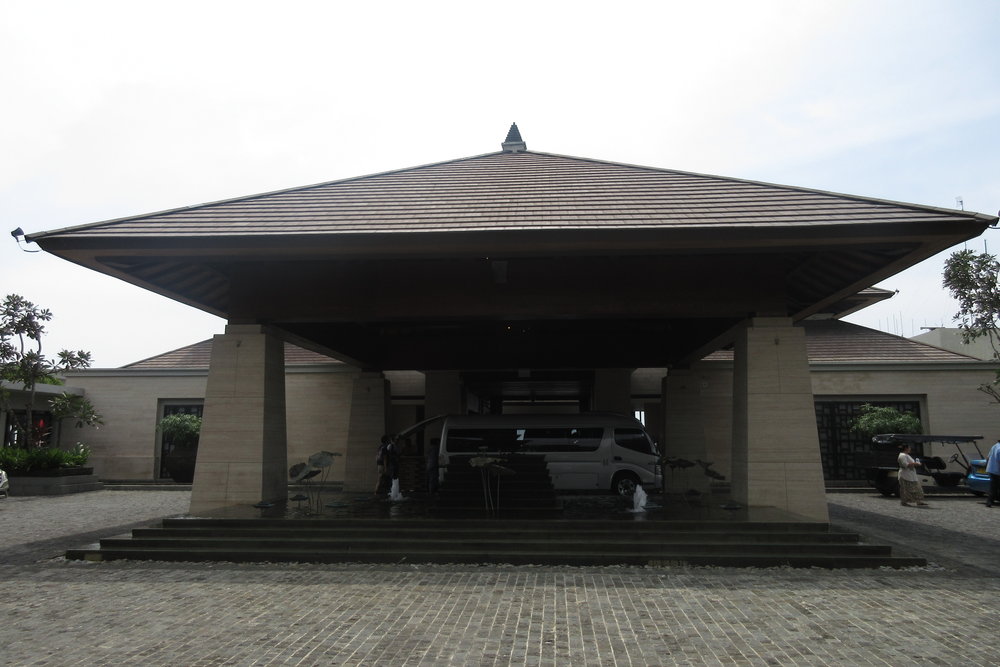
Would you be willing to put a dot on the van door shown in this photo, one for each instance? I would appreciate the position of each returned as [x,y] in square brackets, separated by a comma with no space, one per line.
[573,454]
[632,451]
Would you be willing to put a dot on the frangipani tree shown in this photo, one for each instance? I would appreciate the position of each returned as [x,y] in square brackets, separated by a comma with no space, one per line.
[974,280]
[24,365]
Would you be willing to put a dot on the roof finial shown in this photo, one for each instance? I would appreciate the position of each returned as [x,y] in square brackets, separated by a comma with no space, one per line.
[513,142]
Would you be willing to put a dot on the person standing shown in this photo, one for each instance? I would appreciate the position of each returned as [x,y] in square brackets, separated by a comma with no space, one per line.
[386,464]
[432,462]
[993,470]
[910,490]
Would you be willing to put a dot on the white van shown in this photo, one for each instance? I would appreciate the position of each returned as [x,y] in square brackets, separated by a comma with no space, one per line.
[588,451]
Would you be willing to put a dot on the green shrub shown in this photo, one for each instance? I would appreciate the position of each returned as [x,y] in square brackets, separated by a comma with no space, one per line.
[181,430]
[13,459]
[19,461]
[79,455]
[882,419]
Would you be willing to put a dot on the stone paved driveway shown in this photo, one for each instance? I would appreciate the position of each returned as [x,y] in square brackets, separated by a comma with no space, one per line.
[54,612]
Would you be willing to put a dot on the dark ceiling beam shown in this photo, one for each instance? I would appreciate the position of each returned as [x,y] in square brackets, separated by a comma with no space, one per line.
[519,289]
[545,344]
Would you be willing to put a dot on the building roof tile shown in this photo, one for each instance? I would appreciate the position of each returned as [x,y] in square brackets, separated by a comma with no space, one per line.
[836,341]
[197,356]
[516,191]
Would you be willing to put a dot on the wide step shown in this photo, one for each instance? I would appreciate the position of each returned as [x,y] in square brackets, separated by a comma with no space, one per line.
[745,544]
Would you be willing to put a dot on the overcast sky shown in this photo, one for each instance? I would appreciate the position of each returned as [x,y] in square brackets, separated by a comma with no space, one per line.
[114,109]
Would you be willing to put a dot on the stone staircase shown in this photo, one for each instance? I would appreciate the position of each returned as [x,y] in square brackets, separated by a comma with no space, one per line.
[522,523]
[515,541]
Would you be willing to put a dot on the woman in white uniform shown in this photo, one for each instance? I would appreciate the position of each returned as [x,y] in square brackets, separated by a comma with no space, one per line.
[910,490]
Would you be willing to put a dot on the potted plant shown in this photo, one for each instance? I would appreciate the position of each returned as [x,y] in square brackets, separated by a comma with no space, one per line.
[180,434]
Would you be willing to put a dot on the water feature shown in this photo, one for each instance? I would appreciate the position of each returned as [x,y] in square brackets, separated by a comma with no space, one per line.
[639,499]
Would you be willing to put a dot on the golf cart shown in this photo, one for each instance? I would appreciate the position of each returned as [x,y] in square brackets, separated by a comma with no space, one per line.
[934,473]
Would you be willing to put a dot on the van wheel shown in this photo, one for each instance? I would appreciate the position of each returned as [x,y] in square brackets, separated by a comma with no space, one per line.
[624,483]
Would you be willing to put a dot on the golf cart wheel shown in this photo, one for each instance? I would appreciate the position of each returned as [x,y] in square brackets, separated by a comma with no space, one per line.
[888,488]
[624,483]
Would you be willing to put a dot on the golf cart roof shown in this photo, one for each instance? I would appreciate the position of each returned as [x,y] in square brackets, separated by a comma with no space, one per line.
[886,438]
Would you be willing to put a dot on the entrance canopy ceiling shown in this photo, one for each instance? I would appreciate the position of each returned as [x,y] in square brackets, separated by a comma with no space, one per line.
[517,259]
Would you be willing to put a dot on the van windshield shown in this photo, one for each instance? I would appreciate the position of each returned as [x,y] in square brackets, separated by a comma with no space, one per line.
[535,439]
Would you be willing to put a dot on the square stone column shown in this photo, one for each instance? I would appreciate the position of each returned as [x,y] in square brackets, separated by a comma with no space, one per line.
[683,431]
[776,458]
[443,395]
[242,451]
[369,422]
[613,391]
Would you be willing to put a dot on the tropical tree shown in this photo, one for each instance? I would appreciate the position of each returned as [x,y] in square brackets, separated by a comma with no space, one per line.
[75,407]
[974,281]
[24,365]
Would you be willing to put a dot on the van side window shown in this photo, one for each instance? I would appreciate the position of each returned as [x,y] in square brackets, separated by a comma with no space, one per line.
[561,439]
[634,439]
[472,440]
[538,439]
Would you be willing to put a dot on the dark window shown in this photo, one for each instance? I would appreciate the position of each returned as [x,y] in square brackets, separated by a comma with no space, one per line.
[43,428]
[166,446]
[634,439]
[194,409]
[846,455]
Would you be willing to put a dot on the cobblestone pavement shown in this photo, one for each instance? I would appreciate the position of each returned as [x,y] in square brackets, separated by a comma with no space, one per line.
[956,531]
[54,612]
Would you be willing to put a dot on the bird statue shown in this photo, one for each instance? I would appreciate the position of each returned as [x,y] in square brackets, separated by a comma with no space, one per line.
[707,467]
[263,506]
[682,463]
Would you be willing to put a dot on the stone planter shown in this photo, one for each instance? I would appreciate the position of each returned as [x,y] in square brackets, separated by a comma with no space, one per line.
[55,482]
[59,472]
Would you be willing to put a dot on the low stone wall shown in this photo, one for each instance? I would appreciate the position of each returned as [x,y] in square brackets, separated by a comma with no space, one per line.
[54,485]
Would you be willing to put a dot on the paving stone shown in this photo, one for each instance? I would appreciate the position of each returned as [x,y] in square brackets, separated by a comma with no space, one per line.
[57,612]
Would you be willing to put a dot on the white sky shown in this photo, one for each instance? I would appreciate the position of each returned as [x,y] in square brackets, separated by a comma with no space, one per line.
[113,109]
